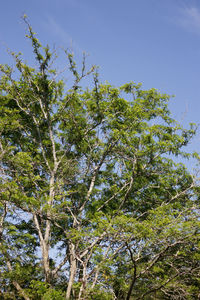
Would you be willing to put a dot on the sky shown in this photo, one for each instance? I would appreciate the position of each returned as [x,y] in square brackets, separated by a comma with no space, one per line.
[155,42]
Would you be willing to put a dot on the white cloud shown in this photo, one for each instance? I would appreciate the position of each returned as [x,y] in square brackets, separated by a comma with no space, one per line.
[57,30]
[190,19]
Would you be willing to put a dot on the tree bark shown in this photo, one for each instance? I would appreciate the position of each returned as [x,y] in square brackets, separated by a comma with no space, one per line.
[72,270]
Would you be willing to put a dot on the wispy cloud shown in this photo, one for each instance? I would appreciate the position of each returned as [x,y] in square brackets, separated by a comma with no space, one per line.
[61,34]
[189,18]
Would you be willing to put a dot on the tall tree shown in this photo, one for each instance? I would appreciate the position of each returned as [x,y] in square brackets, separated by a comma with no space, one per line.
[93,202]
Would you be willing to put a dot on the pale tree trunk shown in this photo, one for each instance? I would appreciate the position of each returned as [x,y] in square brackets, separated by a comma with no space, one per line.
[45,250]
[73,268]
[84,282]
[45,238]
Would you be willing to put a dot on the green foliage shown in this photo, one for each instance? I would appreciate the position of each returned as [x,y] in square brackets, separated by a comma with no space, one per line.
[93,202]
[42,290]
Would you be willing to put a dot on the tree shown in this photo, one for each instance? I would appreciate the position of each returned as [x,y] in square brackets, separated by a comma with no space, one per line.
[93,203]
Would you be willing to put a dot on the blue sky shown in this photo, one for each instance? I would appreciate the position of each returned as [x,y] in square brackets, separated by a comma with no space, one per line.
[156,42]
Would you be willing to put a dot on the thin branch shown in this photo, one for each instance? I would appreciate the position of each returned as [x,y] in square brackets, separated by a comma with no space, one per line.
[55,271]
[95,173]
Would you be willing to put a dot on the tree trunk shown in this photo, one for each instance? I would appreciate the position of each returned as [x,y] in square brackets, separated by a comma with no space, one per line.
[72,270]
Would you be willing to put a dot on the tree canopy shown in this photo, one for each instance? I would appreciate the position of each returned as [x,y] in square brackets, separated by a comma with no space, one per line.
[93,203]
